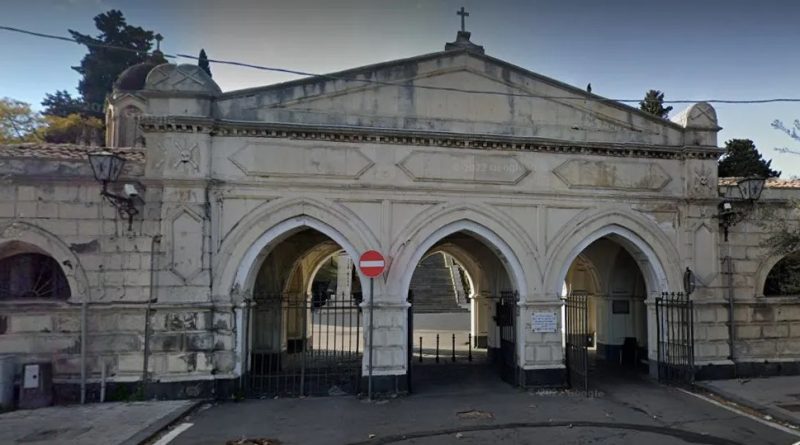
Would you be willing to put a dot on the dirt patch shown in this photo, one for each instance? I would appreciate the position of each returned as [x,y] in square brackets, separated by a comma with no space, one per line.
[474,414]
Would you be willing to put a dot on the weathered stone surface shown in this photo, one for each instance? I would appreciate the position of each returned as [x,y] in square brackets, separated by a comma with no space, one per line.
[613,175]
[281,160]
[186,253]
[465,167]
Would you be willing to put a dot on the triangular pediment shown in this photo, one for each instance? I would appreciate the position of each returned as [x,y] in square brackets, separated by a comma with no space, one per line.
[451,92]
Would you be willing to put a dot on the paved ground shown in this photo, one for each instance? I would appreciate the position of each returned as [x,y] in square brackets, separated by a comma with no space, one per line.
[92,424]
[621,410]
[778,397]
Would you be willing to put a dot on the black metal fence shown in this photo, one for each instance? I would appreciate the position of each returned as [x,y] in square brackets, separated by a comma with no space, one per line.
[444,348]
[577,338]
[305,346]
[675,332]
[505,316]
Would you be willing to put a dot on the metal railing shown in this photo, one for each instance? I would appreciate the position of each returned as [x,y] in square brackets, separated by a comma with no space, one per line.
[675,333]
[305,346]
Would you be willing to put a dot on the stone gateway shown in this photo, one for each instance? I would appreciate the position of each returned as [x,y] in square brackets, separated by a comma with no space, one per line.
[493,192]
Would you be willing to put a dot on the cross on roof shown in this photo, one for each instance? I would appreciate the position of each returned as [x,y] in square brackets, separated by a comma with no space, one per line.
[463,14]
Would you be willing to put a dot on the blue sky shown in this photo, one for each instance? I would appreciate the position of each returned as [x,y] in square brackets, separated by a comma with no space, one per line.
[729,49]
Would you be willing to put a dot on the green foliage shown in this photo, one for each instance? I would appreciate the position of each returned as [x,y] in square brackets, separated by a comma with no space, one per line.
[61,104]
[784,277]
[102,65]
[70,129]
[653,103]
[743,159]
[202,62]
[18,123]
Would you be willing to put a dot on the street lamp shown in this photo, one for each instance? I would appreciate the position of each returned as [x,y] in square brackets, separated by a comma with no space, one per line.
[750,191]
[107,167]
[751,188]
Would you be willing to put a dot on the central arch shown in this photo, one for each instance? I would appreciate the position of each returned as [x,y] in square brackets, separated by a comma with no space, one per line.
[487,323]
[488,237]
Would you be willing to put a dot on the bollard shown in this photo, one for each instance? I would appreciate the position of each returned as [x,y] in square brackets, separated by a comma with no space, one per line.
[469,343]
[420,349]
[437,348]
[453,357]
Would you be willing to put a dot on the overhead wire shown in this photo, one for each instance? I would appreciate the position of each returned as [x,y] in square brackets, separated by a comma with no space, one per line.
[335,77]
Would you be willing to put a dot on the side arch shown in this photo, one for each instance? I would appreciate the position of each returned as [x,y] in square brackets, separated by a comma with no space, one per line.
[49,244]
[762,273]
[244,249]
[654,252]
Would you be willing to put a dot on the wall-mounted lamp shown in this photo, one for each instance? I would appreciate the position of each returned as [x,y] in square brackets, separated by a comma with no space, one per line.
[750,191]
[107,167]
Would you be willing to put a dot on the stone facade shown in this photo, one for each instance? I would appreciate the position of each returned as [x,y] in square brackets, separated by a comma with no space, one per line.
[515,183]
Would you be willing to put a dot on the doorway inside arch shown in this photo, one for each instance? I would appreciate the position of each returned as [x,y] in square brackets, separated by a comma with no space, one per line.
[461,317]
[305,334]
[605,315]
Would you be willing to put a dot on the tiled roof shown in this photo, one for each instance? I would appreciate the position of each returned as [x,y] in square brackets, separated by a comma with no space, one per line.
[71,152]
[772,183]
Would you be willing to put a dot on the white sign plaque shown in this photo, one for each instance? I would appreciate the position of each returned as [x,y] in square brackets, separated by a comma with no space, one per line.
[31,377]
[544,322]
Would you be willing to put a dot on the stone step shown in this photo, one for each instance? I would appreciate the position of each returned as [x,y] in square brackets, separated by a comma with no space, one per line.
[433,288]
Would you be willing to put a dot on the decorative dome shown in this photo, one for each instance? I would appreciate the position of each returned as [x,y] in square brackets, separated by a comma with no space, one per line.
[183,78]
[132,79]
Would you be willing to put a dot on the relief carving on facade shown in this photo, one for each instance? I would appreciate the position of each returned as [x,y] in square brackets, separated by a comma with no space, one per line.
[704,184]
[284,160]
[463,167]
[612,175]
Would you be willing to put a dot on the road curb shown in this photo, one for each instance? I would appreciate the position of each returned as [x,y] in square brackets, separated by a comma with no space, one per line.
[775,413]
[161,424]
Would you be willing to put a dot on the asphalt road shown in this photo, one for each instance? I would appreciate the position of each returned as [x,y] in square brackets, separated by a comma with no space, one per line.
[477,408]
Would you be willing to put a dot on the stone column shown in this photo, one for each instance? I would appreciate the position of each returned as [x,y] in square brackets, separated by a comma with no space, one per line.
[344,276]
[541,354]
[390,349]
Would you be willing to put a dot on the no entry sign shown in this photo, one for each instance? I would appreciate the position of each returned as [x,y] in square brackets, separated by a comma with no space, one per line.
[371,263]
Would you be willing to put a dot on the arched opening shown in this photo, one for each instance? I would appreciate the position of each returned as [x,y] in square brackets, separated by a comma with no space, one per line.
[28,273]
[607,280]
[306,335]
[128,132]
[461,321]
[784,277]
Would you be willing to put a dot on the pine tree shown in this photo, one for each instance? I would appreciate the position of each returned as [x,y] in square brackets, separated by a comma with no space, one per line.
[743,159]
[101,66]
[653,103]
[202,62]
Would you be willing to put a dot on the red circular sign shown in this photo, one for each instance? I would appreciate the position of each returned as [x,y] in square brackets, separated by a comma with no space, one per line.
[371,263]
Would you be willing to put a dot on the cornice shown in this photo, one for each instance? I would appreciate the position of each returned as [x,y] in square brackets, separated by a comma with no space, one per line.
[349,134]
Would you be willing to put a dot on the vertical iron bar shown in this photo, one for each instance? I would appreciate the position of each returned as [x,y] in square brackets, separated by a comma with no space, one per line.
[306,310]
[658,340]
[437,348]
[453,358]
[420,349]
[691,339]
[469,346]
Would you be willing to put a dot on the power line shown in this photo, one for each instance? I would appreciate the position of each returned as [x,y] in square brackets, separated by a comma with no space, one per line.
[384,83]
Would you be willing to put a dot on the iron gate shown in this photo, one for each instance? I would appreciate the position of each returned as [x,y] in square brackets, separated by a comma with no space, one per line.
[675,332]
[505,315]
[305,346]
[576,346]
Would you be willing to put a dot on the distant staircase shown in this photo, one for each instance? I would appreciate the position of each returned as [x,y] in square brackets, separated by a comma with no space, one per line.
[433,287]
